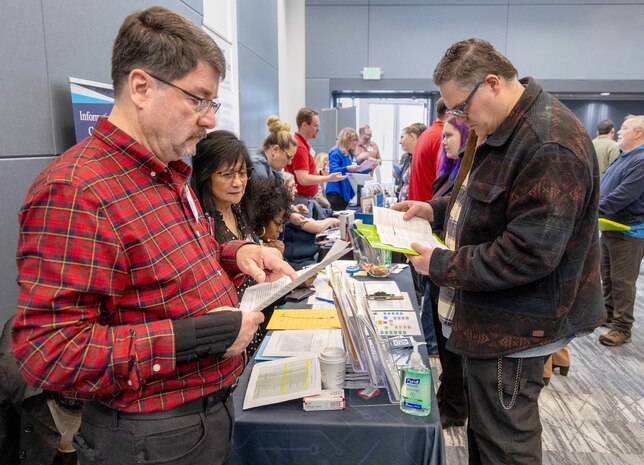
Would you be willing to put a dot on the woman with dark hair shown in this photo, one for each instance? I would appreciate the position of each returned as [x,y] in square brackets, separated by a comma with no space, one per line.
[450,155]
[271,209]
[221,179]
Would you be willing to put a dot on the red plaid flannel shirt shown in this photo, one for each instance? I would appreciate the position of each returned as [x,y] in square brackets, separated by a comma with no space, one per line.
[110,251]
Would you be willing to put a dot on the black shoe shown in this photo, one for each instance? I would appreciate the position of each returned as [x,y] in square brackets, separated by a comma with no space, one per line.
[447,422]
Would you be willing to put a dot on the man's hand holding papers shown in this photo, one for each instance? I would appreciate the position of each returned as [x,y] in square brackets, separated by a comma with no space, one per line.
[413,208]
[417,216]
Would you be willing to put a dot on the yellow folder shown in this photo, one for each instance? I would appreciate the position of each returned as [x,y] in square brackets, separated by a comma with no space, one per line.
[608,225]
[309,318]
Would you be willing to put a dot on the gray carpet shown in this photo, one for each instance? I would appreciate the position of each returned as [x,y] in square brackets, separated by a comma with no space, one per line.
[595,415]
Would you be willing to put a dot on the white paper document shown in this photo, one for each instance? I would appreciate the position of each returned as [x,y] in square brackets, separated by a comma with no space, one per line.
[367,164]
[300,341]
[393,230]
[260,296]
[285,379]
[358,179]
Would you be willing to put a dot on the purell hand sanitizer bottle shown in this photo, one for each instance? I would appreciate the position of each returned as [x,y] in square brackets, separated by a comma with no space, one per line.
[415,382]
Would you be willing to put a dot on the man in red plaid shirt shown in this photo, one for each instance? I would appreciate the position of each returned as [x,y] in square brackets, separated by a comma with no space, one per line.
[126,300]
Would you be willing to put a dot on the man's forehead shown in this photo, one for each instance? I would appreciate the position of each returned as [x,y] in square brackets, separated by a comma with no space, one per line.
[451,93]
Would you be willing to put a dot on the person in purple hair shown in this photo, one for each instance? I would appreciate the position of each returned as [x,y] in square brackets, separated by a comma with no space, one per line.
[451,392]
[450,156]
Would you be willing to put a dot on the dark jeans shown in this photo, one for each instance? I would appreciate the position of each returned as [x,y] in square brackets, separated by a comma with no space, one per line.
[497,435]
[108,437]
[621,256]
[336,201]
[450,395]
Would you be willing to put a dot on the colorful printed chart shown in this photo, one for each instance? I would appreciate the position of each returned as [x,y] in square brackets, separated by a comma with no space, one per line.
[396,323]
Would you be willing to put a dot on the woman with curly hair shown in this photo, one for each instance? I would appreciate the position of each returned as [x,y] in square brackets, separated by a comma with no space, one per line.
[271,209]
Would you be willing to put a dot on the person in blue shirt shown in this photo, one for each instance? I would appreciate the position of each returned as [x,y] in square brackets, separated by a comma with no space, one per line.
[343,160]
[621,199]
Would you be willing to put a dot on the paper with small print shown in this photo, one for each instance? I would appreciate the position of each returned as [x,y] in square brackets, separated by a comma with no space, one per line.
[393,230]
[260,296]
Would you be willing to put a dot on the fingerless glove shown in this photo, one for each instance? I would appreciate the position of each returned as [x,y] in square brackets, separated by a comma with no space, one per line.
[209,334]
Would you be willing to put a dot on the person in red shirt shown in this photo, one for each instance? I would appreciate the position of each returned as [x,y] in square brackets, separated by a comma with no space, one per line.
[424,161]
[303,167]
[126,299]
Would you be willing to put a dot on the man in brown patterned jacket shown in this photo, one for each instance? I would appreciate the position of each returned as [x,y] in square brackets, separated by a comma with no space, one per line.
[522,277]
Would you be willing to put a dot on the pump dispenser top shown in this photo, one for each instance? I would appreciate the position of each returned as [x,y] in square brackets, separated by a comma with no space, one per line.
[415,361]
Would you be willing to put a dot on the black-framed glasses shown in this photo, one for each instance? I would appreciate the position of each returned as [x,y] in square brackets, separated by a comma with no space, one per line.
[228,176]
[459,110]
[203,105]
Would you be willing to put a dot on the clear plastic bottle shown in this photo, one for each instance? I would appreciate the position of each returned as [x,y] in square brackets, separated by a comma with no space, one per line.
[415,385]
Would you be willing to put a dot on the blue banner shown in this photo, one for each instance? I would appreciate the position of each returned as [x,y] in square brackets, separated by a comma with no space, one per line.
[90,100]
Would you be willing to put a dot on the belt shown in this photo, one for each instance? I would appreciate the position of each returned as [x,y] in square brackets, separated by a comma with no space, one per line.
[202,404]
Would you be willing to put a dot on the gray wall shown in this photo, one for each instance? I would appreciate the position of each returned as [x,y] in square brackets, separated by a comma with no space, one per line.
[42,42]
[568,44]
[258,68]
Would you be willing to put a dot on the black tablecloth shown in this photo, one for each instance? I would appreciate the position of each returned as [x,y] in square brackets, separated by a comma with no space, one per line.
[367,432]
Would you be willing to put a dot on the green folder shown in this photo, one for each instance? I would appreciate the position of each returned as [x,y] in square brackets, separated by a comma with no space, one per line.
[370,233]
[608,225]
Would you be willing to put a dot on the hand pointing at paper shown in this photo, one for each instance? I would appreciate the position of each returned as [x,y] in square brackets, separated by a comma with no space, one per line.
[264,264]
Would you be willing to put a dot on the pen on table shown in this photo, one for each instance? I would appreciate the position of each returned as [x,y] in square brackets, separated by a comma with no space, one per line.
[322,299]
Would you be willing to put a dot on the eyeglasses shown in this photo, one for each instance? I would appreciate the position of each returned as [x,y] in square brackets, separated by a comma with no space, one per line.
[459,110]
[228,176]
[279,225]
[203,105]
[289,157]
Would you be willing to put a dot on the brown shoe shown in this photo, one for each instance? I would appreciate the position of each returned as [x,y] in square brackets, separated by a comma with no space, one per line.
[614,338]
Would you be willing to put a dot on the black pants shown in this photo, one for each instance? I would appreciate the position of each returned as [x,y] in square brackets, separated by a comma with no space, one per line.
[451,398]
[504,433]
[336,201]
[200,436]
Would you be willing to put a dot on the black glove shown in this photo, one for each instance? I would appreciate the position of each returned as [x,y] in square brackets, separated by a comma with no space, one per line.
[209,334]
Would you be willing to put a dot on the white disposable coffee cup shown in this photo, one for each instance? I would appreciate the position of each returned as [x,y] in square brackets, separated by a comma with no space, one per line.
[333,361]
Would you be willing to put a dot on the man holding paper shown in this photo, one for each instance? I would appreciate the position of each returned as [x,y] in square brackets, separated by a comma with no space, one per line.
[521,278]
[126,299]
